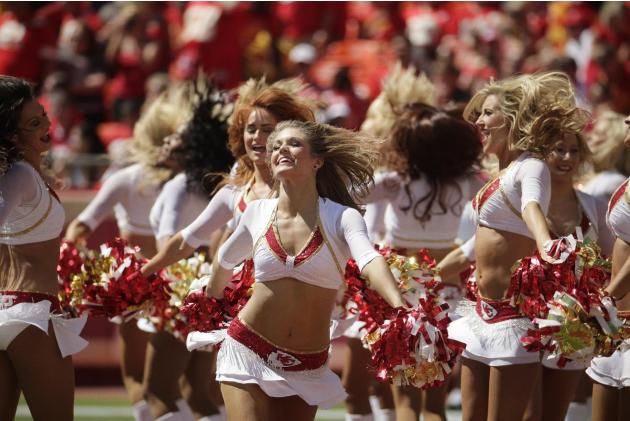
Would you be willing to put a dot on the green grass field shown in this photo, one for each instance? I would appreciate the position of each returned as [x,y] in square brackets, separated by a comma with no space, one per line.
[112,405]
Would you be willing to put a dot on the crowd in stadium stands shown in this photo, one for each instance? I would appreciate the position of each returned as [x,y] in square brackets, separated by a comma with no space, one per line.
[96,64]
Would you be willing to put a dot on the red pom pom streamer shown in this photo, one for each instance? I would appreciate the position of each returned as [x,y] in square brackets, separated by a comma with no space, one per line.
[205,314]
[109,283]
[409,347]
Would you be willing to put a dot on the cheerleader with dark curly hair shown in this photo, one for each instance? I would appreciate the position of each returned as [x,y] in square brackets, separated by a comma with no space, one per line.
[197,149]
[36,341]
[436,176]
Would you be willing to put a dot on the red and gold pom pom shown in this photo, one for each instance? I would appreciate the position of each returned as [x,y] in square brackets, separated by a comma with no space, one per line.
[109,283]
[409,347]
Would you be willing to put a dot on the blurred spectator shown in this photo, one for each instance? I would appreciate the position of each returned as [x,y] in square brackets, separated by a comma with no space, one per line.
[24,32]
[344,107]
[100,61]
[136,46]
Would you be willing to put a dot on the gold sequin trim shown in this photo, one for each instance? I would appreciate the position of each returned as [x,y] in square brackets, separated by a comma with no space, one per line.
[32,227]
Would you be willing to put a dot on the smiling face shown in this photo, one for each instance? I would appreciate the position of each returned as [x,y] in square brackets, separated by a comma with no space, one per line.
[259,126]
[492,126]
[291,155]
[564,158]
[33,126]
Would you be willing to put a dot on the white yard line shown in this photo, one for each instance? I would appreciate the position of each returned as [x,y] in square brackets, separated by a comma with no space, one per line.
[125,412]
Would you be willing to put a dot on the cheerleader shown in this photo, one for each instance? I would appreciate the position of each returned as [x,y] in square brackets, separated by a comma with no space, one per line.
[498,374]
[36,341]
[571,212]
[611,389]
[197,152]
[257,111]
[130,193]
[402,87]
[273,362]
[426,196]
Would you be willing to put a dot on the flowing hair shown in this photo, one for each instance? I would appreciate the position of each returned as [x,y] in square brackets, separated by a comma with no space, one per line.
[438,148]
[349,158]
[14,93]
[203,154]
[281,100]
[522,100]
[161,119]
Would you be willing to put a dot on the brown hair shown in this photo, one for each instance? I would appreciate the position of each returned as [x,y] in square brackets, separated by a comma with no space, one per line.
[281,100]
[348,156]
[438,148]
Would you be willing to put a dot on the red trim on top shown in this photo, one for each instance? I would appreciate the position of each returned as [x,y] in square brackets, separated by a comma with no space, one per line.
[241,204]
[11,298]
[311,248]
[617,195]
[486,191]
[271,354]
[53,192]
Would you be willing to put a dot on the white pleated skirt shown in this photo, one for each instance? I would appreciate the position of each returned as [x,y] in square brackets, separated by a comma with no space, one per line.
[15,319]
[612,371]
[236,363]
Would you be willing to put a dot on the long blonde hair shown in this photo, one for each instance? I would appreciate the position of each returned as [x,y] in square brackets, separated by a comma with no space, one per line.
[523,101]
[349,158]
[401,87]
[161,119]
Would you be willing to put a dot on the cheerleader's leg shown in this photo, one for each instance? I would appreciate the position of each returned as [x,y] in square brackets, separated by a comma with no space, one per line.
[45,377]
[198,378]
[559,387]
[408,402]
[9,390]
[246,402]
[605,402]
[167,359]
[292,408]
[356,378]
[509,390]
[434,403]
[474,384]
[133,352]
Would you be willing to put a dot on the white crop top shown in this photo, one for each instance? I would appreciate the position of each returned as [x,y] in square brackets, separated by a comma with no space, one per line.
[30,212]
[402,228]
[619,213]
[500,202]
[604,184]
[175,208]
[593,226]
[228,204]
[131,200]
[340,234]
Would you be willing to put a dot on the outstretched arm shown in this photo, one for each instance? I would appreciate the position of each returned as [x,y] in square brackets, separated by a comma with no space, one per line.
[173,251]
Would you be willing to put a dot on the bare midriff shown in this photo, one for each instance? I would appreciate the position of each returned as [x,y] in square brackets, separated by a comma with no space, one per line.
[30,267]
[291,314]
[620,254]
[496,252]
